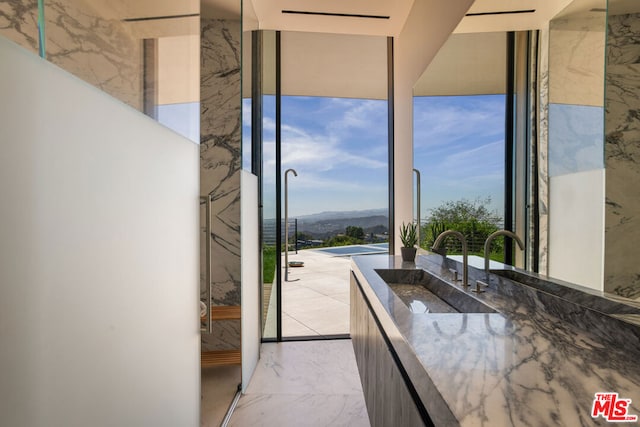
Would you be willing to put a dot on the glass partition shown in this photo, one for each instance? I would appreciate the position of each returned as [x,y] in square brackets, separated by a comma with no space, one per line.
[335,147]
[146,54]
[459,142]
[622,133]
[576,174]
[270,192]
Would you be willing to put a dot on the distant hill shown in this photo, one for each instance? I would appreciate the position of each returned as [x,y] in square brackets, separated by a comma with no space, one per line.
[329,215]
[328,224]
[376,224]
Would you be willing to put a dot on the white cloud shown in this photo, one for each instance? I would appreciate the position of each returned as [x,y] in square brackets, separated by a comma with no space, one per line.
[322,152]
[268,124]
[480,157]
[313,181]
[338,148]
[360,114]
[441,124]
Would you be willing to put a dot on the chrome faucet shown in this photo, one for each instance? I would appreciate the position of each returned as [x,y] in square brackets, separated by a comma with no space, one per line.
[465,261]
[487,244]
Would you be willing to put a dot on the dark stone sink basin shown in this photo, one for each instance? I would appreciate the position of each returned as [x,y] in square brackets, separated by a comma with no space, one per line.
[423,292]
[576,294]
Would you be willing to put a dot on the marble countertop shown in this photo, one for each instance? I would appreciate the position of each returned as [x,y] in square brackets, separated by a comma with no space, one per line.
[520,366]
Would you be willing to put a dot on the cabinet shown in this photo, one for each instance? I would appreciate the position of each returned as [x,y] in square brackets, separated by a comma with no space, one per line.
[389,402]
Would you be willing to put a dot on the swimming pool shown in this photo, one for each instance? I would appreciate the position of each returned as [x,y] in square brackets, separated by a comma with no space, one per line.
[378,248]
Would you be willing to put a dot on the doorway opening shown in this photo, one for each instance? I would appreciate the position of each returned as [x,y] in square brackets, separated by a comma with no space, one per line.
[323,157]
[335,206]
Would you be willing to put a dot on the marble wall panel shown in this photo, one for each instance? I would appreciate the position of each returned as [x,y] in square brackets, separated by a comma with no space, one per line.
[220,165]
[532,154]
[225,336]
[622,156]
[99,50]
[543,149]
[19,22]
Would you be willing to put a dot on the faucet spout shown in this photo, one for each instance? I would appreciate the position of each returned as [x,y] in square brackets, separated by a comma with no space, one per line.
[465,260]
[487,244]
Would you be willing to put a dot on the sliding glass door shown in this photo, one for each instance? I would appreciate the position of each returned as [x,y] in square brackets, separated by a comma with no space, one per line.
[324,152]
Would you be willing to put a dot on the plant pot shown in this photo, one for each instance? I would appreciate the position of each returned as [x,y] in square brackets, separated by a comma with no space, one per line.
[408,254]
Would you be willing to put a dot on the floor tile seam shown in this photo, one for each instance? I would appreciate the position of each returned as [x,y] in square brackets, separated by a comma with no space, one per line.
[303,324]
[311,308]
[272,393]
[324,306]
[303,289]
[341,302]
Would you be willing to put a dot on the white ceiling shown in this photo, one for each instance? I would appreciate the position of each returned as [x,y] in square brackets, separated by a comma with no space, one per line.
[335,65]
[316,63]
[467,64]
[544,11]
[269,14]
[325,52]
[271,17]
[127,9]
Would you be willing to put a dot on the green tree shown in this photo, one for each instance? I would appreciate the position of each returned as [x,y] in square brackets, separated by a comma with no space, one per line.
[355,232]
[341,240]
[461,211]
[305,236]
[472,218]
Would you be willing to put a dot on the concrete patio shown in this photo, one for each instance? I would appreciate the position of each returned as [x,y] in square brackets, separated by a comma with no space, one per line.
[315,300]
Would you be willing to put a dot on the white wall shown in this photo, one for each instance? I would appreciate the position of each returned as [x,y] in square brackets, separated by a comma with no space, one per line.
[251,279]
[98,257]
[428,26]
[576,228]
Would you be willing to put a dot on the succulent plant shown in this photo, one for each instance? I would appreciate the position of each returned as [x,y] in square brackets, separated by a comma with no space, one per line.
[408,235]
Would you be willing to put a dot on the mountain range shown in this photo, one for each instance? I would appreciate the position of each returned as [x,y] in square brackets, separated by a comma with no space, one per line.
[329,215]
[327,224]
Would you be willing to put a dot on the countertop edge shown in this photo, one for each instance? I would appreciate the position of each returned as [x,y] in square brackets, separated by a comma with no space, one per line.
[428,393]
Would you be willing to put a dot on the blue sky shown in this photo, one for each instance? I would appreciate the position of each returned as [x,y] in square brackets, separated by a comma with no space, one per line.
[339,149]
[458,146]
[337,146]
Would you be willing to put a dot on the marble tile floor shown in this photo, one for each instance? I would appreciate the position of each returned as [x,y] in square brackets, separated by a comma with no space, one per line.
[315,300]
[218,388]
[304,383]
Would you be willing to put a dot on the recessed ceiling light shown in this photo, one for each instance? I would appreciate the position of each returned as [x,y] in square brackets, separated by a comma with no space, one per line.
[341,15]
[501,12]
[155,18]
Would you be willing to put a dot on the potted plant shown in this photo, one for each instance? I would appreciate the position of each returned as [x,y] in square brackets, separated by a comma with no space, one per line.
[409,238]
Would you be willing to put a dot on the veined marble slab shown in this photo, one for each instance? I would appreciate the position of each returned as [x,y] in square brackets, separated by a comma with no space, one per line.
[19,22]
[220,164]
[622,127]
[521,366]
[101,51]
[542,160]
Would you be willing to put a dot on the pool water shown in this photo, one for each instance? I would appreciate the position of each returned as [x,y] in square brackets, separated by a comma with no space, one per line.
[378,248]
